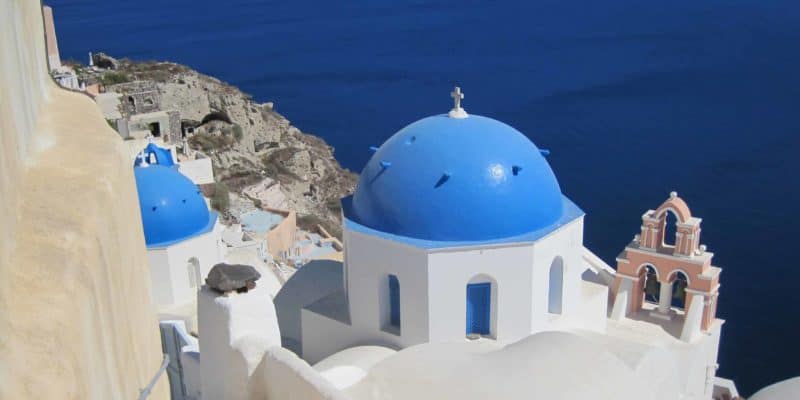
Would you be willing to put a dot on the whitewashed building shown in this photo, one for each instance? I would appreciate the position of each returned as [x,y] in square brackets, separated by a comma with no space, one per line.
[182,235]
[458,234]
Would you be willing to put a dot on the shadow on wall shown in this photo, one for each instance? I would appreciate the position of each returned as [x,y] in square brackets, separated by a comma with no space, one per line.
[317,279]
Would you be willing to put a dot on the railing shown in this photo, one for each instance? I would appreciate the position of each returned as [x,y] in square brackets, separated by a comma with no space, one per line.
[144,393]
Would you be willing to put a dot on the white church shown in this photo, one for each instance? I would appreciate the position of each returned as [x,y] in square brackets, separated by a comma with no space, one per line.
[182,235]
[457,229]
[465,276]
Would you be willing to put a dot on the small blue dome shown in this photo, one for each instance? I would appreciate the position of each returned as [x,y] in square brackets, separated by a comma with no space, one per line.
[155,155]
[172,207]
[451,179]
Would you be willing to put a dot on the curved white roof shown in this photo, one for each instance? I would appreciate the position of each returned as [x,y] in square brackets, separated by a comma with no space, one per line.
[548,365]
[350,366]
[783,390]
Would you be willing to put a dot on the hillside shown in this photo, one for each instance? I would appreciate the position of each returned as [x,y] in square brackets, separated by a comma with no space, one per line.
[253,148]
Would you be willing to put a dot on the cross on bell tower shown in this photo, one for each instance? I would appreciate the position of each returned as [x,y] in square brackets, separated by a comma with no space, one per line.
[457,111]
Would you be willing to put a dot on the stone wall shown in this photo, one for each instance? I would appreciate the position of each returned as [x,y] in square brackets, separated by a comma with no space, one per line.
[138,97]
[76,319]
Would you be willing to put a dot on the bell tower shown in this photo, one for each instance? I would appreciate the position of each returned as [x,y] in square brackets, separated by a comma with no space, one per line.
[668,281]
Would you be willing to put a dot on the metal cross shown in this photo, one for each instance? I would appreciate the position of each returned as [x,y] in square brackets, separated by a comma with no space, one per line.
[143,159]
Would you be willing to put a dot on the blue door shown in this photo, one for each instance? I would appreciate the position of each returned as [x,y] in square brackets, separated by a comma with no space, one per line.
[479,298]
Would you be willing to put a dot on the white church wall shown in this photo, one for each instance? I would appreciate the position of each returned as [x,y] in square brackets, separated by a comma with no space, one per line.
[369,262]
[205,249]
[591,312]
[323,337]
[160,277]
[451,270]
[198,171]
[565,242]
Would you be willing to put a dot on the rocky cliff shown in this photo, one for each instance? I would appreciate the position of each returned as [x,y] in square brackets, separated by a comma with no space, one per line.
[254,149]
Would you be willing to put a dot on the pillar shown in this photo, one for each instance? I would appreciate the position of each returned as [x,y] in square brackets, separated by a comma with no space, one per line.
[665,297]
[235,330]
[622,299]
[694,317]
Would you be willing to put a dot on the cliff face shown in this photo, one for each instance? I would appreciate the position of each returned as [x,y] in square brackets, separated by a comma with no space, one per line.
[76,320]
[249,142]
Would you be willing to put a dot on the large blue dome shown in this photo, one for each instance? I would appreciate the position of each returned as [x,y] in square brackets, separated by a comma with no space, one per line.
[457,179]
[172,207]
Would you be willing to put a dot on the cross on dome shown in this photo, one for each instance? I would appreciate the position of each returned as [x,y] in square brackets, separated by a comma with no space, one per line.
[142,158]
[457,111]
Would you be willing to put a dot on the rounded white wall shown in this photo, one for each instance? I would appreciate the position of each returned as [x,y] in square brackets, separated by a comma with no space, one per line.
[370,260]
[566,244]
[507,269]
[175,280]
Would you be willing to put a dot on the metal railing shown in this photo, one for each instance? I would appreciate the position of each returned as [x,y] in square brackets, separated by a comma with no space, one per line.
[144,393]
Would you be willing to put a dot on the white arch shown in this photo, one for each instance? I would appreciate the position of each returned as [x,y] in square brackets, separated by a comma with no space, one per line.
[665,215]
[555,288]
[193,272]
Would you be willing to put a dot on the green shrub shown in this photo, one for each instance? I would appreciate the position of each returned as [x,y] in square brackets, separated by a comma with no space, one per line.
[237,132]
[113,78]
[221,200]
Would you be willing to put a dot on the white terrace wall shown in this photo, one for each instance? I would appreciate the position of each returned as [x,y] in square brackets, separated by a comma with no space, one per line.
[286,376]
[76,319]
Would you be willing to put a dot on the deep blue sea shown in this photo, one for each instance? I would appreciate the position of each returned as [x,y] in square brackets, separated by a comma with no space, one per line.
[633,98]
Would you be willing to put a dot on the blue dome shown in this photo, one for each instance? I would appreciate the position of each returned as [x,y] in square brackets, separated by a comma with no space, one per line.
[451,179]
[155,155]
[172,207]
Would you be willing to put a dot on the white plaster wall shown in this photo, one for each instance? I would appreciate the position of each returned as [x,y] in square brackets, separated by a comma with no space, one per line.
[566,242]
[313,281]
[235,331]
[369,261]
[204,247]
[449,272]
[76,319]
[160,277]
[591,312]
[285,376]
[199,171]
[323,337]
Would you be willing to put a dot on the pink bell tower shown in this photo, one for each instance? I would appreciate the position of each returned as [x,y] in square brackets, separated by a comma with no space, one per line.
[651,271]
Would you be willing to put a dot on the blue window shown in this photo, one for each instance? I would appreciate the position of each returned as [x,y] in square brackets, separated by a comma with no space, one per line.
[394,301]
[479,298]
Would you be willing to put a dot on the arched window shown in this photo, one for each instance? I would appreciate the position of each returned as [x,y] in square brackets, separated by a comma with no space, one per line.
[554,294]
[679,283]
[670,228]
[652,287]
[193,272]
[394,302]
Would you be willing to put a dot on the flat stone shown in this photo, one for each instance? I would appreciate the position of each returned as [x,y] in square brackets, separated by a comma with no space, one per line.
[232,277]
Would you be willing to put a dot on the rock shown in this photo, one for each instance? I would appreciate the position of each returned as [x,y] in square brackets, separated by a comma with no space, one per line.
[300,163]
[103,60]
[226,278]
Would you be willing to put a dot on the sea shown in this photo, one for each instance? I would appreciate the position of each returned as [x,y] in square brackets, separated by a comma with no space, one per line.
[633,98]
